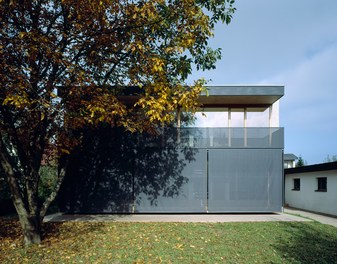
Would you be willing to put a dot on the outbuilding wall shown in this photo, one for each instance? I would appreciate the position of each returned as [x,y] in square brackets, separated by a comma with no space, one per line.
[308,198]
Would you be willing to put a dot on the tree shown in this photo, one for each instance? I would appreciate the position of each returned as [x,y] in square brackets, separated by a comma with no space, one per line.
[330,159]
[65,64]
[300,162]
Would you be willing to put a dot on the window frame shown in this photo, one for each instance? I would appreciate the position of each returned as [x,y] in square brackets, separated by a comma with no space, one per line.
[322,181]
[296,187]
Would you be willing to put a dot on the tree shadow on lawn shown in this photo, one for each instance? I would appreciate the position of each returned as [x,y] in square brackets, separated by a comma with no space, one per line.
[62,217]
[69,230]
[11,232]
[9,227]
[308,243]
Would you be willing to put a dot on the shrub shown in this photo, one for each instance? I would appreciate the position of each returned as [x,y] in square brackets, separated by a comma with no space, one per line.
[48,180]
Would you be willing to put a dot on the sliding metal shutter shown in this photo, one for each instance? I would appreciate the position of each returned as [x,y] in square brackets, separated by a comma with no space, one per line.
[189,197]
[245,180]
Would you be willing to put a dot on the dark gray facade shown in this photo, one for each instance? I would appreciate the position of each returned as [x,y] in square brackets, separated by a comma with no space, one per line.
[181,170]
[195,170]
[244,176]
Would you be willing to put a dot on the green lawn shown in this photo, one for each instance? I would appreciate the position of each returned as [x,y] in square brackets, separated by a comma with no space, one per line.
[260,242]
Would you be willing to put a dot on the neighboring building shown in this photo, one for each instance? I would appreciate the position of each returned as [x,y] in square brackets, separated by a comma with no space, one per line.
[312,188]
[289,161]
[237,167]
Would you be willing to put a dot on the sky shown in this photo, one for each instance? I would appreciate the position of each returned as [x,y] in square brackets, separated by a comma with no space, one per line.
[290,43]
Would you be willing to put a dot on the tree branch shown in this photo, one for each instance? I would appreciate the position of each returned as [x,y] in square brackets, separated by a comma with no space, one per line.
[5,160]
[53,194]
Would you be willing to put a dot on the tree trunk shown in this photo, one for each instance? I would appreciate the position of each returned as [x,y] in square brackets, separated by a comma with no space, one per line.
[30,222]
[31,229]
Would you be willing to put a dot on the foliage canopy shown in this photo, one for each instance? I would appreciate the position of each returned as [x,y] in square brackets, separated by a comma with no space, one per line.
[65,64]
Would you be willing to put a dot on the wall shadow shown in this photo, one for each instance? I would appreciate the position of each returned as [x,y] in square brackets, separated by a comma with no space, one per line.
[114,170]
[307,243]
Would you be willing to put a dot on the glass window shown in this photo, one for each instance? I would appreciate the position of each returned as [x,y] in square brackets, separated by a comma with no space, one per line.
[219,117]
[297,184]
[287,164]
[211,119]
[237,117]
[257,117]
[321,184]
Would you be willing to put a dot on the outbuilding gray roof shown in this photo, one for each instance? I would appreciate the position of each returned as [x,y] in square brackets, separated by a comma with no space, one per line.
[311,168]
[289,157]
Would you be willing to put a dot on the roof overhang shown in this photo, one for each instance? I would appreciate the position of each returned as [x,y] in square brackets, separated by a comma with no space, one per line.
[234,96]
[241,96]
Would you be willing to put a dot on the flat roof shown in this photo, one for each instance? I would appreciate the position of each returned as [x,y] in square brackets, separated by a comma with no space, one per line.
[222,96]
[312,168]
[241,96]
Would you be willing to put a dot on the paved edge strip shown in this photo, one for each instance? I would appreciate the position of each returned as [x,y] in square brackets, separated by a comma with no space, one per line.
[192,218]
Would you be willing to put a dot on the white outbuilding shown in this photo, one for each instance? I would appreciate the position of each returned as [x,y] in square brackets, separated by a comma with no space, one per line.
[312,188]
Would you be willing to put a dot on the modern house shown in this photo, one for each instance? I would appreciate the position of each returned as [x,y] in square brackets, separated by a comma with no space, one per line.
[312,188]
[234,167]
[289,160]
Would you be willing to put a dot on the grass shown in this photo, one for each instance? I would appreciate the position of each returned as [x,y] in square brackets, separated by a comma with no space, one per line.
[260,242]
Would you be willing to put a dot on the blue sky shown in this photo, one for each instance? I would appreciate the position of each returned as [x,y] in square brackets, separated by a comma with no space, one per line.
[290,43]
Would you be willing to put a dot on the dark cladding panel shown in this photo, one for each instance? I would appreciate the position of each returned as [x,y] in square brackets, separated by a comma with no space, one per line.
[245,181]
[100,175]
[185,190]
[188,170]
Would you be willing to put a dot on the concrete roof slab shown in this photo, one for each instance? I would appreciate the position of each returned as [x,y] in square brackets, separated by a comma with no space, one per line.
[241,96]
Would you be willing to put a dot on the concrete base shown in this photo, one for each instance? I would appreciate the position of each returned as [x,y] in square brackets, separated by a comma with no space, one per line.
[195,218]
